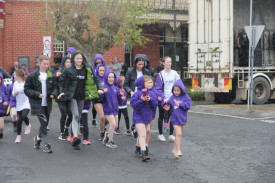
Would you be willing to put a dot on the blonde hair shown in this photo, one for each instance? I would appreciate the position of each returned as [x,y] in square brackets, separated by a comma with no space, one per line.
[43,57]
[20,73]
[165,58]
[147,78]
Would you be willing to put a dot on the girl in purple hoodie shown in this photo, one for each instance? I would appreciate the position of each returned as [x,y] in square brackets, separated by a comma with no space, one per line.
[144,101]
[180,103]
[3,105]
[110,108]
[12,104]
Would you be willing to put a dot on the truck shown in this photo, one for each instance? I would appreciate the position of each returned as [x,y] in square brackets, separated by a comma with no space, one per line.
[216,61]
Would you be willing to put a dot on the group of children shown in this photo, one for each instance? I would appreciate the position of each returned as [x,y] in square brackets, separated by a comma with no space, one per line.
[77,87]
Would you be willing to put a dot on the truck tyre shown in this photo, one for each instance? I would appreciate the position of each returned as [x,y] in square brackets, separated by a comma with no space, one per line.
[261,90]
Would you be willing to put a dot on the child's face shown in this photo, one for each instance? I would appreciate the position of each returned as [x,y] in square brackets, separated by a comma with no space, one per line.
[78,59]
[149,84]
[176,91]
[122,82]
[101,71]
[15,77]
[44,65]
[98,61]
[111,78]
[67,63]
[168,63]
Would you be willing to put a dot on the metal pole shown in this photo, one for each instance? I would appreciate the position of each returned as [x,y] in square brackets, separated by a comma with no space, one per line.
[175,35]
[250,78]
[46,18]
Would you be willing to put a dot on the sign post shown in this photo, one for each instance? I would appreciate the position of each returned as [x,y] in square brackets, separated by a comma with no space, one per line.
[47,41]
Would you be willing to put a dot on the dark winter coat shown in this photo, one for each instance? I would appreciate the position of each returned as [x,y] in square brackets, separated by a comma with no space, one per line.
[33,88]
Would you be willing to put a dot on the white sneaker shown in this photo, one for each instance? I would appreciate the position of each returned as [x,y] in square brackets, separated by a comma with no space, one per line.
[18,139]
[171,138]
[161,138]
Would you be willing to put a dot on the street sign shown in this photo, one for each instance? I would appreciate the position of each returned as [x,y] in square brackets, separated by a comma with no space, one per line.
[254,34]
[47,40]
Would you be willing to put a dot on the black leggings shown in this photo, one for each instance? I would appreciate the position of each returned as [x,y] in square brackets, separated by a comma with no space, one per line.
[94,112]
[126,117]
[65,110]
[43,117]
[22,116]
[164,115]
[84,122]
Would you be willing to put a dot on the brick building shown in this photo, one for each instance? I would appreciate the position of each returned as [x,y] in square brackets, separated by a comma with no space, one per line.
[21,38]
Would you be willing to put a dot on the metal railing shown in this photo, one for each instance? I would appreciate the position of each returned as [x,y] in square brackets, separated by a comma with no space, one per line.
[168,4]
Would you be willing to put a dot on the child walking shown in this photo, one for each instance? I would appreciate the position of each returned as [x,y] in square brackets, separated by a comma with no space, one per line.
[39,87]
[22,104]
[3,105]
[179,103]
[110,108]
[122,104]
[12,104]
[144,101]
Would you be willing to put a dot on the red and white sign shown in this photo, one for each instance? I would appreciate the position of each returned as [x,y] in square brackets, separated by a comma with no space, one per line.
[47,41]
[1,14]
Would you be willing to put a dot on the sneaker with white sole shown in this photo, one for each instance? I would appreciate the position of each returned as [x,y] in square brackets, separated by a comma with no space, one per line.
[18,139]
[161,138]
[172,138]
[28,129]
[111,145]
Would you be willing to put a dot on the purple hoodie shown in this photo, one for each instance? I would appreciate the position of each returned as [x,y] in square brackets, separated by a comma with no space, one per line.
[87,105]
[100,57]
[110,103]
[144,112]
[71,49]
[3,88]
[179,114]
[3,98]
[119,88]
[10,96]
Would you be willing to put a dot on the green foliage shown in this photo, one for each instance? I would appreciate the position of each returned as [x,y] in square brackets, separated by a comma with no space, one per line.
[195,96]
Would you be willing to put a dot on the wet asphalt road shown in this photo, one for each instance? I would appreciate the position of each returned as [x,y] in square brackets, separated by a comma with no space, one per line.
[219,144]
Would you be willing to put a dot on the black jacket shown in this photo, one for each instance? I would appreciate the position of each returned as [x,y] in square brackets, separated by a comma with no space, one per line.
[33,88]
[68,79]
[131,76]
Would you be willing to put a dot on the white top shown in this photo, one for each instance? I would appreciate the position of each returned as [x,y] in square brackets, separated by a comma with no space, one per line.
[169,80]
[139,74]
[43,78]
[22,101]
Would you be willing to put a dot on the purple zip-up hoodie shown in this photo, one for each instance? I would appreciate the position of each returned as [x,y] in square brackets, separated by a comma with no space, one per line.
[144,112]
[3,98]
[10,96]
[110,103]
[100,57]
[121,102]
[179,114]
[101,79]
[3,88]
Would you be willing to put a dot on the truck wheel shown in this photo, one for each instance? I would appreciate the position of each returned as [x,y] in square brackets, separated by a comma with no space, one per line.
[261,90]
[224,98]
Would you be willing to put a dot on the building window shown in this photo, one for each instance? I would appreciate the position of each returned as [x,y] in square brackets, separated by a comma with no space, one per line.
[128,55]
[58,47]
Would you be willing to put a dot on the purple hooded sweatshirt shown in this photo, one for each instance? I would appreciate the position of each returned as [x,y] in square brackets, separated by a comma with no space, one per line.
[179,114]
[119,88]
[71,49]
[101,79]
[110,103]
[100,57]
[144,112]
[3,98]
[10,96]
[3,88]
[87,105]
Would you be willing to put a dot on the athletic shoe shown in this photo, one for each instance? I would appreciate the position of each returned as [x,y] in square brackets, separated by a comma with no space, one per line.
[1,135]
[18,139]
[166,126]
[94,123]
[147,150]
[77,147]
[161,138]
[111,145]
[62,137]
[171,138]
[28,129]
[106,138]
[144,156]
[48,127]
[138,152]
[101,136]
[76,141]
[36,142]
[86,142]
[66,132]
[47,148]
[70,138]
[117,132]
[129,132]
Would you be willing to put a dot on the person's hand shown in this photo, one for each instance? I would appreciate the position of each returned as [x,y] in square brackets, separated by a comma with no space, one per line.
[176,102]
[165,100]
[121,92]
[51,96]
[159,98]
[58,74]
[132,93]
[105,90]
[5,103]
[123,98]
[100,92]
[60,95]
[143,98]
[16,92]
[166,107]
[148,98]
[40,96]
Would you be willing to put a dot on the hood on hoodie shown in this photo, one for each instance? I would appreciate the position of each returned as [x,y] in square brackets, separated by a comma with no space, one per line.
[139,56]
[117,82]
[84,62]
[179,84]
[100,57]
[71,49]
[106,83]
[2,79]
[146,59]
[97,73]
[139,83]
[64,60]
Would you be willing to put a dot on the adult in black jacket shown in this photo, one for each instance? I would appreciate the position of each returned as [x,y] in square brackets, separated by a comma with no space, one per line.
[132,74]
[39,87]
